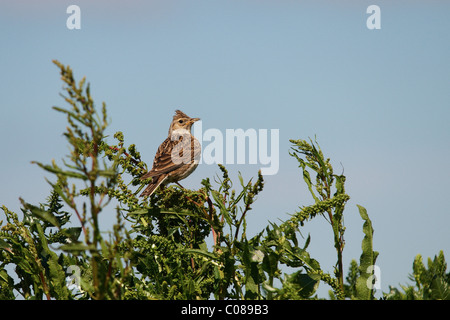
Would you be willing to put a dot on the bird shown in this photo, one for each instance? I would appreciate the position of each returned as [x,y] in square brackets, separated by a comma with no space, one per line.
[177,157]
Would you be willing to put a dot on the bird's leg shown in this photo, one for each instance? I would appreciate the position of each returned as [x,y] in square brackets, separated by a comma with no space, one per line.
[179,185]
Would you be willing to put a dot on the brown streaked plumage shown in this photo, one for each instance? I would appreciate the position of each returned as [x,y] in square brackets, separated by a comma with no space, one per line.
[177,157]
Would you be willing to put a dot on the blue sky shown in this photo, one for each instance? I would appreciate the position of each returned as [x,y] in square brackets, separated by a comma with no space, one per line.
[377,100]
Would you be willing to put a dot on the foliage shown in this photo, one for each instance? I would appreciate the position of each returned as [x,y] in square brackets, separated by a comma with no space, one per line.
[176,244]
[432,283]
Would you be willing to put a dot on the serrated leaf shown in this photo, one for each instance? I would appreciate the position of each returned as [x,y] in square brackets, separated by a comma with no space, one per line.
[58,278]
[73,233]
[41,214]
[440,290]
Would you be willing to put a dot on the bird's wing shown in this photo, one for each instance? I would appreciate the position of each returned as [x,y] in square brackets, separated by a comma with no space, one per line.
[163,159]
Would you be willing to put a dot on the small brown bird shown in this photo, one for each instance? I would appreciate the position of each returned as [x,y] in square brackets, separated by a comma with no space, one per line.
[177,157]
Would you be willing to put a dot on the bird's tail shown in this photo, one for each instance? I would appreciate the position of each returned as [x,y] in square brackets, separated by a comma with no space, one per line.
[156,181]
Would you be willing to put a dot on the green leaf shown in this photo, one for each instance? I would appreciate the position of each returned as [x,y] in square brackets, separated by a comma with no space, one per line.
[239,197]
[108,173]
[221,205]
[139,211]
[58,189]
[307,179]
[204,253]
[73,233]
[440,289]
[55,170]
[4,244]
[364,288]
[241,180]
[41,214]
[56,273]
[25,266]
[305,284]
[5,276]
[269,288]
[76,247]
[270,263]
[58,278]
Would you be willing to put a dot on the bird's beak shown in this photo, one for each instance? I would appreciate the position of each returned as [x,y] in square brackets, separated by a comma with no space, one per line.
[192,120]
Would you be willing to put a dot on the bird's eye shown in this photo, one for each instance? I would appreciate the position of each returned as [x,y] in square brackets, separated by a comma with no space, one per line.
[180,121]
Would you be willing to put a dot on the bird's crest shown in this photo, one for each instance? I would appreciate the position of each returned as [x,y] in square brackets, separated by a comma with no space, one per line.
[179,114]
